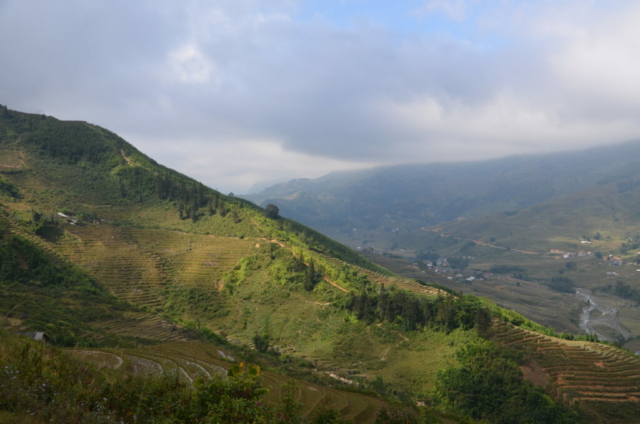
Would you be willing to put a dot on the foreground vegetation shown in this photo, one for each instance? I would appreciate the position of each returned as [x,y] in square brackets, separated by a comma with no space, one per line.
[43,384]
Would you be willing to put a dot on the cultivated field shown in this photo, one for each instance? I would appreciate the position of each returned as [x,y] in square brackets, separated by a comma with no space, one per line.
[601,380]
[192,360]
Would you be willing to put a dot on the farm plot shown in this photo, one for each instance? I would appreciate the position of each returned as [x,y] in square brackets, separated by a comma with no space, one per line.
[601,380]
[10,160]
[192,360]
[138,264]
[143,325]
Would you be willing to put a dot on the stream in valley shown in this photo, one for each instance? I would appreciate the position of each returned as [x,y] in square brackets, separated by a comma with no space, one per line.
[607,317]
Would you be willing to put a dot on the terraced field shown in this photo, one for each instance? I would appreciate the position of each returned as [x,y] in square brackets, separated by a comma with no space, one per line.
[137,264]
[600,380]
[142,324]
[10,160]
[192,360]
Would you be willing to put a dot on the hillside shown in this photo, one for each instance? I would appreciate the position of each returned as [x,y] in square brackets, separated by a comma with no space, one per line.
[179,267]
[503,214]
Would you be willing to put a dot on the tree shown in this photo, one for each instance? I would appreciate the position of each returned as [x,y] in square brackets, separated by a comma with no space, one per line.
[235,217]
[262,343]
[310,279]
[194,209]
[272,211]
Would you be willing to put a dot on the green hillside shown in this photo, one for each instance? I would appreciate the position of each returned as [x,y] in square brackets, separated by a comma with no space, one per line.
[556,223]
[145,271]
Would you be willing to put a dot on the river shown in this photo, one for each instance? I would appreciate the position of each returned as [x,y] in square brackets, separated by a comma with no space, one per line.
[608,316]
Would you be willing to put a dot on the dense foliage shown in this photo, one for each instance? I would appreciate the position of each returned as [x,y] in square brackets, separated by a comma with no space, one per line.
[42,384]
[21,262]
[623,290]
[8,189]
[561,284]
[486,383]
[324,244]
[446,313]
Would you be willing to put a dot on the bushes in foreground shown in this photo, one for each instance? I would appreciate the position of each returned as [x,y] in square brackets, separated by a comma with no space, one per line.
[39,383]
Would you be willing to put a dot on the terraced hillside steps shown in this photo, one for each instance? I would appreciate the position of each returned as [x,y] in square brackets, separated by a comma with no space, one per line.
[144,325]
[192,360]
[601,380]
[136,265]
[53,253]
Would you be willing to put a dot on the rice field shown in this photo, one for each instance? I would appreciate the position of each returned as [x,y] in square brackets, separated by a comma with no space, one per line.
[193,360]
[602,381]
[136,265]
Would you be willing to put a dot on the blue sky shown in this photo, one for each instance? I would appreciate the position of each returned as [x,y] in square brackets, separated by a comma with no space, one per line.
[407,18]
[236,92]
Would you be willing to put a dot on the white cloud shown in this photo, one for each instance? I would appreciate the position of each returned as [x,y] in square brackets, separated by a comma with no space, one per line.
[189,65]
[240,163]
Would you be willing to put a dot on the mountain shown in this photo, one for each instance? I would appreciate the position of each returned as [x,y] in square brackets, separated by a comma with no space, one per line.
[145,271]
[413,196]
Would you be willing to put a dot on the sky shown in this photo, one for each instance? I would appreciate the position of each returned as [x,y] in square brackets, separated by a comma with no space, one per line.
[239,92]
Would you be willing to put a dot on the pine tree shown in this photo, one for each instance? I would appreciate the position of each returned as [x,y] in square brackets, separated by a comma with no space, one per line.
[210,210]
[310,278]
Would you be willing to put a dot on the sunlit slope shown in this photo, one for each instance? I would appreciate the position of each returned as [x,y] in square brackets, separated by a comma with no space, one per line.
[226,268]
[84,170]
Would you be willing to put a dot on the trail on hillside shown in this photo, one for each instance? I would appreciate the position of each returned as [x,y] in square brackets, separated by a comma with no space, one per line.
[386,351]
[482,243]
[284,246]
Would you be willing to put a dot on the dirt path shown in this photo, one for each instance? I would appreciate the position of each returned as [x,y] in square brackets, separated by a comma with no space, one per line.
[482,243]
[284,246]
[386,351]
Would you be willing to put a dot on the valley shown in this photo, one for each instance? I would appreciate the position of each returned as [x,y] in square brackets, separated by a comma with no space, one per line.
[144,272]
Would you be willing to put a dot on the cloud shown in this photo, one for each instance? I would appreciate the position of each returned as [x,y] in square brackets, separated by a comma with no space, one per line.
[240,163]
[238,91]
[190,65]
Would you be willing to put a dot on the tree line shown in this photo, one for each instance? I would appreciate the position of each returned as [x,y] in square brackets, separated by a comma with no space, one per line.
[446,313]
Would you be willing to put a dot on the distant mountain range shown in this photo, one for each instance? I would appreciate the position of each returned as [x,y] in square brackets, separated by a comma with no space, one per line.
[409,197]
